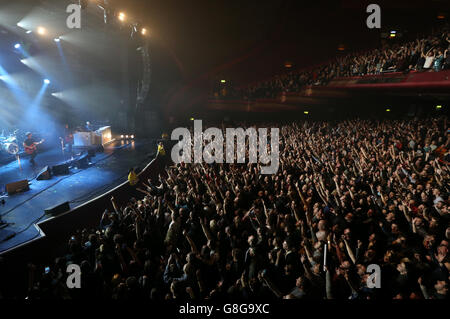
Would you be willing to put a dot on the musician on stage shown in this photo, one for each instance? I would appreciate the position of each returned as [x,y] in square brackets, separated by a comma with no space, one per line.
[68,139]
[30,147]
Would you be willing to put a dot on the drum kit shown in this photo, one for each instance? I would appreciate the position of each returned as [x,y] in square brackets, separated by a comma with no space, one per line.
[9,143]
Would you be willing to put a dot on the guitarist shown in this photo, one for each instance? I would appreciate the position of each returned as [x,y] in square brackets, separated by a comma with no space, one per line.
[68,138]
[30,146]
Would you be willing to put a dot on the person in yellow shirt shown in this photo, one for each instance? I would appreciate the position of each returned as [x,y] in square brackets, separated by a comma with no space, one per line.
[161,149]
[133,179]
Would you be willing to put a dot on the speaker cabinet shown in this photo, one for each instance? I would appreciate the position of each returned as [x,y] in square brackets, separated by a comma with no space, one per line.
[17,187]
[44,174]
[61,169]
[82,161]
[58,209]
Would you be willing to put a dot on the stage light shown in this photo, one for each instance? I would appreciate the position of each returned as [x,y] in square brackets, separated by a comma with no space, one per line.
[132,136]
[121,136]
[306,112]
[144,31]
[438,107]
[41,30]
[122,16]
[46,81]
[57,39]
[17,45]
[393,34]
[388,110]
[28,32]
[191,118]
[223,81]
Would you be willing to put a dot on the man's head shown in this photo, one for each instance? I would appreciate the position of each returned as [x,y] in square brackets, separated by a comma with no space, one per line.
[441,287]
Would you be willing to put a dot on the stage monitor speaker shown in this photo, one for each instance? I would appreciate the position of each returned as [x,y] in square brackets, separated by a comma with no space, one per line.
[61,169]
[82,161]
[44,174]
[58,209]
[17,187]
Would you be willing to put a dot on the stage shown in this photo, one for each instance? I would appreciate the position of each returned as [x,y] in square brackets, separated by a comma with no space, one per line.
[107,169]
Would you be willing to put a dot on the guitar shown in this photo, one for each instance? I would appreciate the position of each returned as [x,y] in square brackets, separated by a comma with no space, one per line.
[32,148]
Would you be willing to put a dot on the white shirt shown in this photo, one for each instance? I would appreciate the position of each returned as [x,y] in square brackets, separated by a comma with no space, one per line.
[428,62]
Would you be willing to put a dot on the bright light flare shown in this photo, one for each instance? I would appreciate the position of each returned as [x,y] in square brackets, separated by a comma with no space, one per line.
[41,31]
[122,16]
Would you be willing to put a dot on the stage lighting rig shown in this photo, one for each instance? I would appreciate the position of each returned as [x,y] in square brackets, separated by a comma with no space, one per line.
[83,3]
[106,11]
[134,29]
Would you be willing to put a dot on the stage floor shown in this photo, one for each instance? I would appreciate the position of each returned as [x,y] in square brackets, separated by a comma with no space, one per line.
[108,169]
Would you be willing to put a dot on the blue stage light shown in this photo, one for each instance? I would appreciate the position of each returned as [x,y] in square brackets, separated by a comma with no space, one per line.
[46,81]
[17,45]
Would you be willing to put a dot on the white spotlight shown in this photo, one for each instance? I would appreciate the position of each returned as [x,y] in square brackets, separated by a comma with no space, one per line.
[46,81]
[28,32]
[41,30]
[56,40]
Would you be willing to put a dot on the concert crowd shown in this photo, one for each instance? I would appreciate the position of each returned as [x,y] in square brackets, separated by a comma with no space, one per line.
[424,54]
[360,192]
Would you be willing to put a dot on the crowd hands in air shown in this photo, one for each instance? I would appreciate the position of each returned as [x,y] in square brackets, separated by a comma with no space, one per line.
[431,53]
[367,192]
